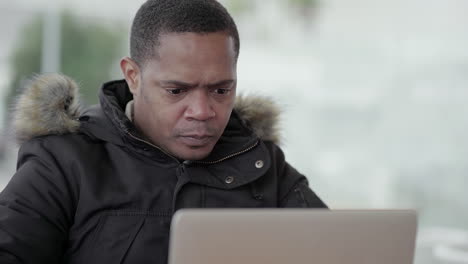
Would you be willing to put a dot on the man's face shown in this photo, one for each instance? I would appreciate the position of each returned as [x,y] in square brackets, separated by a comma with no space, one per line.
[185,95]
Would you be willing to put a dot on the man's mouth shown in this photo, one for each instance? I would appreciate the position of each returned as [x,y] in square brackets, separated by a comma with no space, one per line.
[196,140]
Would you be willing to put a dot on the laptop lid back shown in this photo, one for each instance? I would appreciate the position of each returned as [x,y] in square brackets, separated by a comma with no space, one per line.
[274,236]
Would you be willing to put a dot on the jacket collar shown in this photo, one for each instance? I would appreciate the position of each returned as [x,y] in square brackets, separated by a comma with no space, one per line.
[49,104]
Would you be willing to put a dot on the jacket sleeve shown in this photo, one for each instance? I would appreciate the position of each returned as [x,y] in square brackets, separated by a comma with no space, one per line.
[294,190]
[300,194]
[35,209]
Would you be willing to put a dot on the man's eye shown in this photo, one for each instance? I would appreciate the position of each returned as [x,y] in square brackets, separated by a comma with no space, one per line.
[221,91]
[175,91]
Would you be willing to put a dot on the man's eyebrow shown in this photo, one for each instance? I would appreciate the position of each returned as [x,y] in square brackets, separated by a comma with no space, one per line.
[221,83]
[178,83]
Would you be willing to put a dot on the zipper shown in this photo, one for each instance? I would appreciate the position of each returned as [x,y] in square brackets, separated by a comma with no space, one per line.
[227,157]
[178,186]
[195,161]
[154,146]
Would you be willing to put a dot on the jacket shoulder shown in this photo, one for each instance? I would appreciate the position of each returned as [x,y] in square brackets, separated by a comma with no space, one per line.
[62,149]
[293,189]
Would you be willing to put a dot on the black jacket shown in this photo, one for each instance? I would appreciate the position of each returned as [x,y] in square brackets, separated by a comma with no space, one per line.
[101,194]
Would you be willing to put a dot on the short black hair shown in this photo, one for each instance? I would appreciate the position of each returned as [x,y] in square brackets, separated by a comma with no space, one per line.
[156,17]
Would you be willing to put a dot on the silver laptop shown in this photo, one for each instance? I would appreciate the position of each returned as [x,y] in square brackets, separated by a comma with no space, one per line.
[274,236]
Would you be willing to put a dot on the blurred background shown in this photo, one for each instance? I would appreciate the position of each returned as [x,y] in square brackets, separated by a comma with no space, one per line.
[372,92]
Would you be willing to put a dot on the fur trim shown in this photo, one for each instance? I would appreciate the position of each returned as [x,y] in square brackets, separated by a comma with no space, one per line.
[261,114]
[49,104]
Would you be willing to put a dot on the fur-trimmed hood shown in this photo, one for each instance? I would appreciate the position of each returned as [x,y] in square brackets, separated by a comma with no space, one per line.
[49,104]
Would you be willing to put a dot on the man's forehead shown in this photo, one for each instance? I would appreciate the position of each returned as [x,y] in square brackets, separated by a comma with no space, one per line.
[191,41]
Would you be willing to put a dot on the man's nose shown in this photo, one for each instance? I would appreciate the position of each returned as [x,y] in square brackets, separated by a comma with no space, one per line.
[200,107]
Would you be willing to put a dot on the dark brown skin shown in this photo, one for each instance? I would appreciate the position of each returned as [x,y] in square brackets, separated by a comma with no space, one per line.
[184,96]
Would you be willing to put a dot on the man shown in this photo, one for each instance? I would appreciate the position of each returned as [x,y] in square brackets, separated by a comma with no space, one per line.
[101,185]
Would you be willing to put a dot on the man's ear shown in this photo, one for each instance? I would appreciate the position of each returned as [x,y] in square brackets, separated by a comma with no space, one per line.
[132,74]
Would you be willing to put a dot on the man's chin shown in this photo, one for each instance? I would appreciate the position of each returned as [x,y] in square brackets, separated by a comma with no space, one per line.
[187,148]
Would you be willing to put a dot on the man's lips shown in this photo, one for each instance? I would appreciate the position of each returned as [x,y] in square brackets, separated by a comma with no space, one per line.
[198,136]
[196,140]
